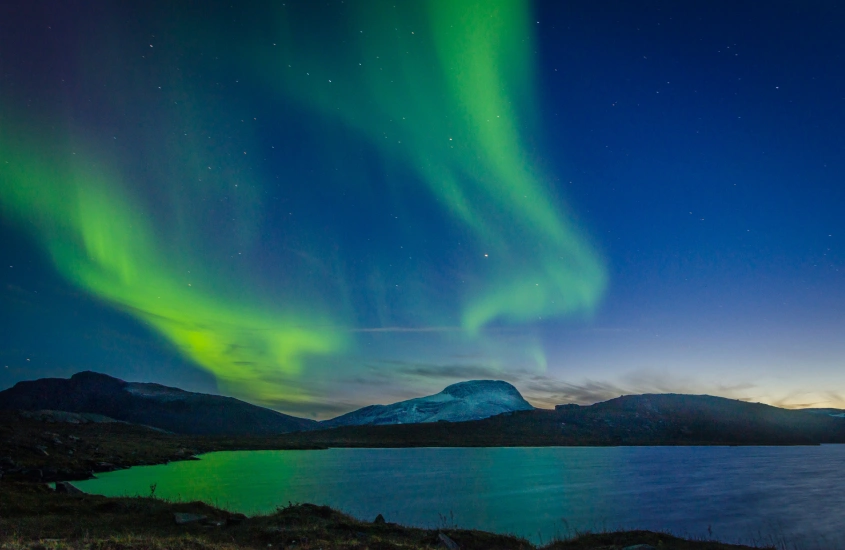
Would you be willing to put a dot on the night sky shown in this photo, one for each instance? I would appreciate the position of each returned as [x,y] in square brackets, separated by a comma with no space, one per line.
[316,206]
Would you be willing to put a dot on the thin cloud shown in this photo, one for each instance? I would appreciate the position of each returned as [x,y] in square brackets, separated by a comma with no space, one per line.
[366,381]
[313,409]
[835,398]
[545,390]
[788,401]
[447,371]
[406,329]
[732,388]
[551,391]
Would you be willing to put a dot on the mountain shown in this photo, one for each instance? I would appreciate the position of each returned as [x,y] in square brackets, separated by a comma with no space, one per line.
[652,419]
[153,405]
[479,413]
[829,412]
[460,402]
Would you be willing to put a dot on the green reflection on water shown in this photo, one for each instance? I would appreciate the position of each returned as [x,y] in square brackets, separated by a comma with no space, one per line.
[223,479]
[499,489]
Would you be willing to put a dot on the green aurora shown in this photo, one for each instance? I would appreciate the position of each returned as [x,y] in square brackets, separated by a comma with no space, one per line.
[443,88]
[100,243]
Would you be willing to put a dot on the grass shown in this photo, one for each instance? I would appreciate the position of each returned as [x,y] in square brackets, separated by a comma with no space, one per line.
[32,516]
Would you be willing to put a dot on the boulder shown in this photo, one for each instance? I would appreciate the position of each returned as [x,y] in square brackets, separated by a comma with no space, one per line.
[184,519]
[379,520]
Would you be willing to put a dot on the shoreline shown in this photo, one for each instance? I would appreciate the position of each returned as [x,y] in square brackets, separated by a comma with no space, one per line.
[36,450]
[34,517]
[33,453]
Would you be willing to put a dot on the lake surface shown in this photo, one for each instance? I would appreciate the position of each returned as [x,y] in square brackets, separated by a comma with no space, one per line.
[740,494]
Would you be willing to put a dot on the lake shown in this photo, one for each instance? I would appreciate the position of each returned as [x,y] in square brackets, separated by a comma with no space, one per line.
[740,494]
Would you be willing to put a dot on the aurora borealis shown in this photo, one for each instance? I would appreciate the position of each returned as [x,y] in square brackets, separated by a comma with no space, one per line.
[447,98]
[315,207]
[99,242]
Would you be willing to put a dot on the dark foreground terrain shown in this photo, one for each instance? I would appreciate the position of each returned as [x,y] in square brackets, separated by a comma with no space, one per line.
[32,517]
[39,447]
[46,446]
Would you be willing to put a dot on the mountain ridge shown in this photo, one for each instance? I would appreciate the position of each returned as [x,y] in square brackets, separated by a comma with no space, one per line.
[647,419]
[641,420]
[190,413]
[164,407]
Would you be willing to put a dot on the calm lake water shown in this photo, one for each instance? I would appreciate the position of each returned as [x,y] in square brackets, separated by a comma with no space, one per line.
[729,493]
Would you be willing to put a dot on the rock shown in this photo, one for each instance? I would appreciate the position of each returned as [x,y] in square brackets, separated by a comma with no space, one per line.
[214,522]
[379,520]
[67,488]
[184,519]
[6,463]
[447,542]
[640,547]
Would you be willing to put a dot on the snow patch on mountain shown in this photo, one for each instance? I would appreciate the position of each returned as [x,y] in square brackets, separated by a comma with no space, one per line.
[157,391]
[472,400]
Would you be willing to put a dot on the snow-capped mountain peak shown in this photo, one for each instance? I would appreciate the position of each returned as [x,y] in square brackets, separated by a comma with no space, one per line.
[471,400]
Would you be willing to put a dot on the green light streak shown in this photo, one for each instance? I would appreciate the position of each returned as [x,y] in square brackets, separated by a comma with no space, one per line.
[446,86]
[100,243]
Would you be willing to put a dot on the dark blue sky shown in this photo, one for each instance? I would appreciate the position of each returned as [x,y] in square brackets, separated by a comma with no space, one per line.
[696,148]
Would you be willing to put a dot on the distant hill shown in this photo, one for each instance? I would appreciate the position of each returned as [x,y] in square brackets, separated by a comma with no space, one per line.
[153,405]
[477,413]
[653,419]
[471,400]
